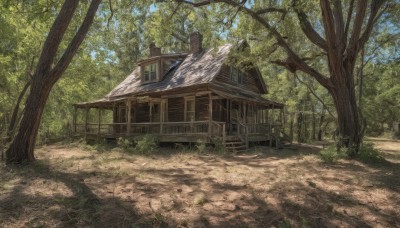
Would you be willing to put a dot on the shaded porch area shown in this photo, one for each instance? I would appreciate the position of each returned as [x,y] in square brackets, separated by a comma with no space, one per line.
[190,117]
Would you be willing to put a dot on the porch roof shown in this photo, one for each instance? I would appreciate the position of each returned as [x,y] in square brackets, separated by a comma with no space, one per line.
[226,91]
[103,103]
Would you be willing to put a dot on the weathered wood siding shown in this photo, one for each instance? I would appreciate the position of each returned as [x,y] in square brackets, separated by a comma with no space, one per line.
[142,112]
[219,110]
[202,108]
[176,109]
[250,79]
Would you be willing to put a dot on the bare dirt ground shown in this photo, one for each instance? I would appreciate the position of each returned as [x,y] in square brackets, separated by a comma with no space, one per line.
[70,186]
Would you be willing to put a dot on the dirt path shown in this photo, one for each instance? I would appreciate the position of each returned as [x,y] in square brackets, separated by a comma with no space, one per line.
[72,187]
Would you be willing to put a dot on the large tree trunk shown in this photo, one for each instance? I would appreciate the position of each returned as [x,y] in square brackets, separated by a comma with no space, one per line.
[299,127]
[321,121]
[347,115]
[22,148]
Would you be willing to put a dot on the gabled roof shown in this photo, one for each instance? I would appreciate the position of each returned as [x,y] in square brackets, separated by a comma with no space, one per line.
[195,69]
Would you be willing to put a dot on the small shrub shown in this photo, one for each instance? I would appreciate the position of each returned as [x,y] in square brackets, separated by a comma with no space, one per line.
[199,200]
[180,147]
[125,144]
[201,146]
[331,155]
[369,154]
[146,144]
[219,146]
[102,146]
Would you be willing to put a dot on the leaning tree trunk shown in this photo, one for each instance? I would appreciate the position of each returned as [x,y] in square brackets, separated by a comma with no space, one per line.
[14,116]
[344,99]
[22,148]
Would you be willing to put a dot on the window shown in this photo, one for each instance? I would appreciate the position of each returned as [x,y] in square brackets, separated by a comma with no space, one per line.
[237,75]
[190,109]
[150,73]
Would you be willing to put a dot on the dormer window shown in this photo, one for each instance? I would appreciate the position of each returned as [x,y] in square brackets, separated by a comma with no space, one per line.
[237,75]
[150,73]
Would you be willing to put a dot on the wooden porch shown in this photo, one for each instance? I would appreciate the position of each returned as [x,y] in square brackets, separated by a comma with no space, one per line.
[180,131]
[203,116]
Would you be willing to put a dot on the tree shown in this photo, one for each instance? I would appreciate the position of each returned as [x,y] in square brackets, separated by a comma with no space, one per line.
[338,35]
[45,76]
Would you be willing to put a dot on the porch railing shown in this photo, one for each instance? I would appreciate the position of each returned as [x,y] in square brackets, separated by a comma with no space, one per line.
[218,129]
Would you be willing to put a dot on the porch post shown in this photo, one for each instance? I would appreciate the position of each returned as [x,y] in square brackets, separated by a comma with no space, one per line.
[86,119]
[162,109]
[269,128]
[98,132]
[129,105]
[209,115]
[114,110]
[245,112]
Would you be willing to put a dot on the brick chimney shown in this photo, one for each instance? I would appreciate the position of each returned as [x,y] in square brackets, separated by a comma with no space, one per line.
[154,50]
[196,42]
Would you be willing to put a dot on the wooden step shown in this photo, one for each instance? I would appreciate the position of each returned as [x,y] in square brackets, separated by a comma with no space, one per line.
[231,137]
[233,143]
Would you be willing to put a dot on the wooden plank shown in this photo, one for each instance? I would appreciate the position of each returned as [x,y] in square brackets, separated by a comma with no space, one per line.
[201,93]
[129,108]
[98,130]
[86,119]
[209,115]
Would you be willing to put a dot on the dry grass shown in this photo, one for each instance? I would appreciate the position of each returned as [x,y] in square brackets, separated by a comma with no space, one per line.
[72,187]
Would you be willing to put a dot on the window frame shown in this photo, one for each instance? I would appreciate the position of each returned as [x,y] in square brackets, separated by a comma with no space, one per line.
[151,70]
[237,75]
[193,112]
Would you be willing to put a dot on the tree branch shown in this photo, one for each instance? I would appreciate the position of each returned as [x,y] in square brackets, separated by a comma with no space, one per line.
[339,24]
[315,95]
[351,50]
[179,37]
[195,4]
[76,42]
[348,19]
[55,36]
[271,10]
[112,12]
[307,28]
[373,17]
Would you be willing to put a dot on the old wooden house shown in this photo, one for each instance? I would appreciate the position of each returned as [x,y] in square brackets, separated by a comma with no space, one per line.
[189,97]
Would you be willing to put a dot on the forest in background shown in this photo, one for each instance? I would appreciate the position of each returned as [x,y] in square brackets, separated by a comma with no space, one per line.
[123,31]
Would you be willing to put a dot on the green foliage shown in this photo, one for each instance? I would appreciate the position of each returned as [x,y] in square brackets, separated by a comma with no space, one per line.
[146,144]
[201,147]
[199,200]
[219,146]
[125,144]
[369,154]
[332,155]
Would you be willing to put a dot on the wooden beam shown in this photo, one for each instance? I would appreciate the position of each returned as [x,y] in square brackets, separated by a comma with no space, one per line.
[209,115]
[114,110]
[98,130]
[128,117]
[187,94]
[245,112]
[86,119]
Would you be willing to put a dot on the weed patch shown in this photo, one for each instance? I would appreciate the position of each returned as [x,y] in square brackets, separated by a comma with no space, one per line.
[146,144]
[369,154]
[331,155]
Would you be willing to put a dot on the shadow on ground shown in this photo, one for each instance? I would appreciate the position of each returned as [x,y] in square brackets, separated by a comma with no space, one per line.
[269,188]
